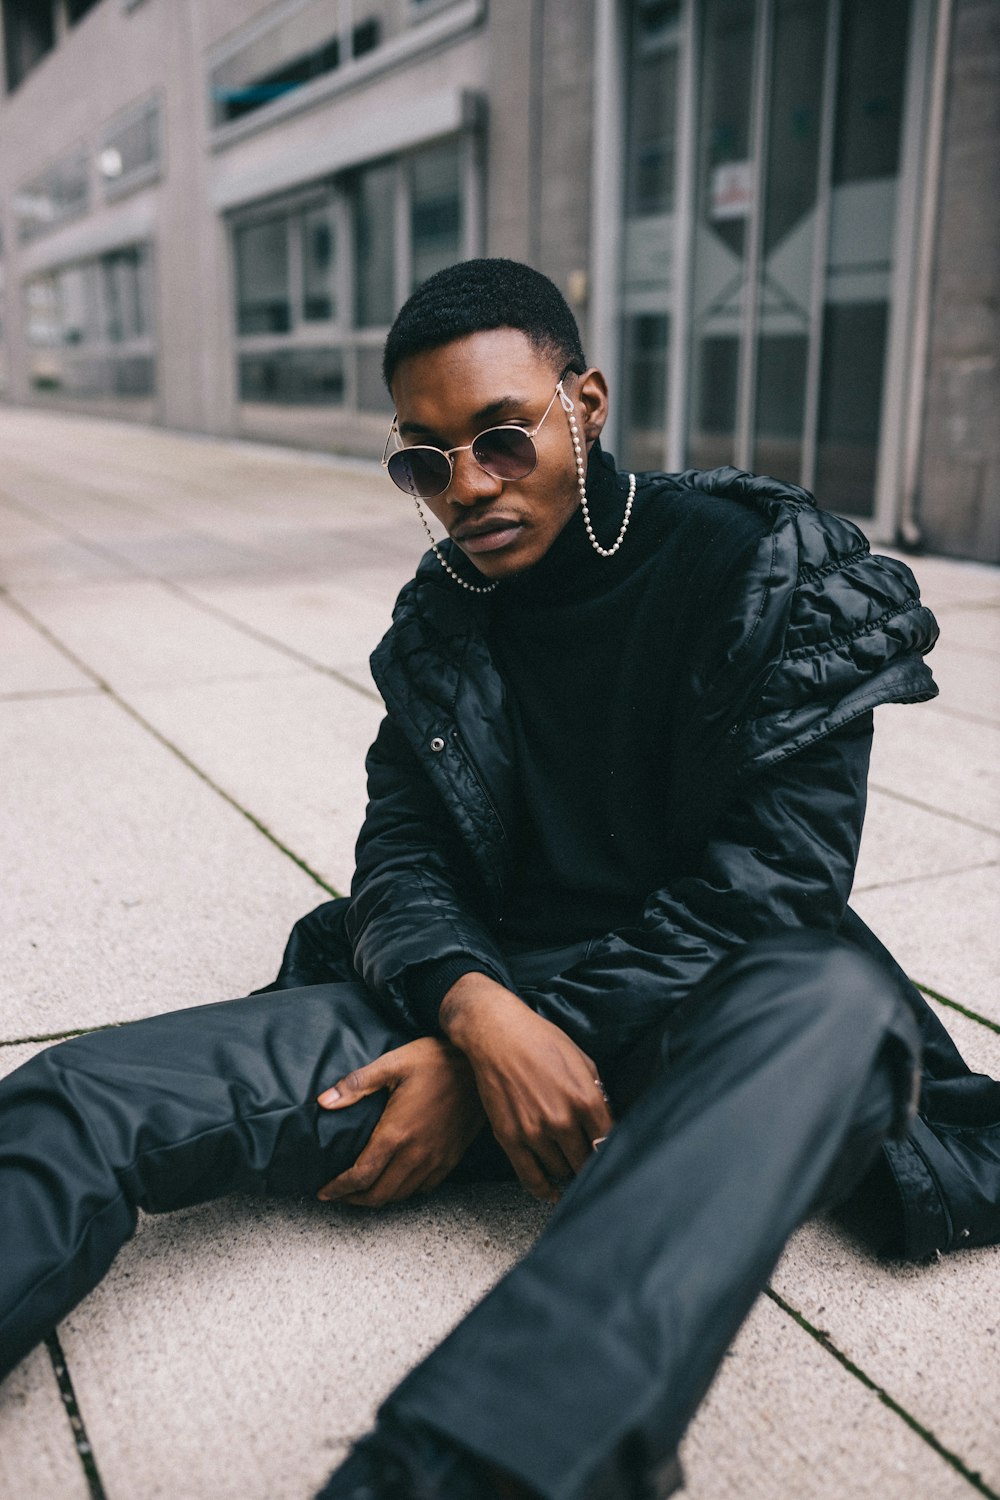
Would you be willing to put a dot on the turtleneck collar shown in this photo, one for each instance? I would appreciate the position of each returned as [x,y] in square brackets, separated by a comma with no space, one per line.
[571,569]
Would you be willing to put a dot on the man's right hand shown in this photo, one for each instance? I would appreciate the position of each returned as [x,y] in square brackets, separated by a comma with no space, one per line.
[542,1094]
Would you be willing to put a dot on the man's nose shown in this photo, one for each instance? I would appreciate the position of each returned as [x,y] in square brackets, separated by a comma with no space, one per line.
[471,485]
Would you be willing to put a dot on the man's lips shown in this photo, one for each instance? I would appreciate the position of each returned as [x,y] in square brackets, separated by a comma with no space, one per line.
[489,535]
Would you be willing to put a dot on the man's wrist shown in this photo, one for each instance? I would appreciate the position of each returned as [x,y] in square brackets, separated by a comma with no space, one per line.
[463,1005]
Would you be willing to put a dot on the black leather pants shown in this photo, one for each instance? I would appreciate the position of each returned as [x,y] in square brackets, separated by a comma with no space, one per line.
[780,1076]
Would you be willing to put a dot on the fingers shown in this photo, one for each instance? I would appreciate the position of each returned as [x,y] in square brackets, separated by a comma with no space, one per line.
[380,1074]
[381,1166]
[549,1152]
[385,1176]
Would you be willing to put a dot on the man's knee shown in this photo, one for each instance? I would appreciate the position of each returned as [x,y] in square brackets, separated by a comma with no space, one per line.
[807,971]
[811,989]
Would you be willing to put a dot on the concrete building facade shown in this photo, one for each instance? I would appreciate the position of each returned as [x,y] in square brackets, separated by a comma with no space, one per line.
[776,219]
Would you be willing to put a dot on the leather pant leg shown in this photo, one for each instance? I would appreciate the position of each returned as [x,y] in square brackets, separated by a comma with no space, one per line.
[164,1113]
[785,1069]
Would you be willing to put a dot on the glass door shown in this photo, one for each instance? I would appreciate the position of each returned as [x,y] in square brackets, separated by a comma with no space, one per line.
[799,146]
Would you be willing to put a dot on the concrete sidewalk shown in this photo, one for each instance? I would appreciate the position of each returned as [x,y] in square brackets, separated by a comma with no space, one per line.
[184,710]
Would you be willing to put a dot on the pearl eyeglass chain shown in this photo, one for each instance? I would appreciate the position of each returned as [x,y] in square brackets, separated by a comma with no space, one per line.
[581,479]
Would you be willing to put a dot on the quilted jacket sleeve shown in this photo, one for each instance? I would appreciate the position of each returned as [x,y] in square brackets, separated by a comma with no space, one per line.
[414,892]
[769,778]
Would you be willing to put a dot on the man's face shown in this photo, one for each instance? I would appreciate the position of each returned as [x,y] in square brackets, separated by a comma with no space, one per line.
[448,396]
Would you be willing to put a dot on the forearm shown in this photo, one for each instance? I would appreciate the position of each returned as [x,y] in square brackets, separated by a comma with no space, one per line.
[465,1012]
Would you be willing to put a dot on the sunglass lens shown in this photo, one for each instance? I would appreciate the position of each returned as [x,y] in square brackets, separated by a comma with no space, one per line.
[505,452]
[424,472]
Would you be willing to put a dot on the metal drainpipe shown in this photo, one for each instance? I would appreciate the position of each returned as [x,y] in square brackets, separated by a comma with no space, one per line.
[910,533]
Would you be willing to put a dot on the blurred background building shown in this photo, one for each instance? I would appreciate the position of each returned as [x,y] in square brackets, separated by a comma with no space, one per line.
[776,219]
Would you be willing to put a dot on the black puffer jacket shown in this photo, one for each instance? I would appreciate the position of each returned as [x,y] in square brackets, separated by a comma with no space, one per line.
[806,636]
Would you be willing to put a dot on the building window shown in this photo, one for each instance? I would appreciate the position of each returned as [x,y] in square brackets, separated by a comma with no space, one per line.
[59,193]
[375,245]
[129,154]
[436,218]
[89,326]
[308,39]
[29,33]
[263,282]
[318,281]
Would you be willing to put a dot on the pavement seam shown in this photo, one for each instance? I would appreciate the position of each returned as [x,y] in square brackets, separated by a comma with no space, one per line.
[71,1406]
[180,592]
[963,1010]
[888,885]
[947,712]
[60,1036]
[261,636]
[31,694]
[167,744]
[876,786]
[824,1340]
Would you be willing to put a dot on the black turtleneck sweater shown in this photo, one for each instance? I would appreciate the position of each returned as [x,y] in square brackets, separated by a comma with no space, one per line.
[593,735]
[591,839]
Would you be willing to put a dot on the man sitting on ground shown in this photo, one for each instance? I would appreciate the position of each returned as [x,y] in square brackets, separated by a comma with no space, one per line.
[598,937]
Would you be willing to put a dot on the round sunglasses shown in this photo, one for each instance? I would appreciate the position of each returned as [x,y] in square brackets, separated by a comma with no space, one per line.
[504,452]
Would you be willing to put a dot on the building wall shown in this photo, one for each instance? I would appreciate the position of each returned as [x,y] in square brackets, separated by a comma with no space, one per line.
[959,496]
[540,88]
[526,71]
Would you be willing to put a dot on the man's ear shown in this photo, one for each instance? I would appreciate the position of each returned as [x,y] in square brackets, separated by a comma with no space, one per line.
[592,396]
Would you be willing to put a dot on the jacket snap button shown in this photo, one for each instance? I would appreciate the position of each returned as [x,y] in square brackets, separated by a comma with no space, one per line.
[437,743]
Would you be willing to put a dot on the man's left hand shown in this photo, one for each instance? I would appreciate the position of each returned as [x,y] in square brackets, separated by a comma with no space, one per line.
[433,1115]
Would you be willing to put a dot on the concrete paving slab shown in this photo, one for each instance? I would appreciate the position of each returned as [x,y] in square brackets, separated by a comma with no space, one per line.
[929,1335]
[289,749]
[945,932]
[35,552]
[333,620]
[136,633]
[38,1456]
[235,1348]
[946,763]
[973,630]
[946,581]
[130,886]
[783,1421]
[969,684]
[902,844]
[31,664]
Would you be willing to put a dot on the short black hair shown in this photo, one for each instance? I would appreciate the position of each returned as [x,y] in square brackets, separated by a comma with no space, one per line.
[476,295]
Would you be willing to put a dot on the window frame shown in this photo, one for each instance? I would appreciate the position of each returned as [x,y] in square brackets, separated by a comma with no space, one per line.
[341,331]
[447,20]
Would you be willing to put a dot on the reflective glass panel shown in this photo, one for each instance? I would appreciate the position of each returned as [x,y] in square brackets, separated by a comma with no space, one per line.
[89,327]
[375,246]
[788,235]
[649,240]
[293,377]
[60,193]
[29,32]
[851,405]
[870,87]
[131,150]
[644,360]
[262,282]
[435,210]
[319,265]
[725,204]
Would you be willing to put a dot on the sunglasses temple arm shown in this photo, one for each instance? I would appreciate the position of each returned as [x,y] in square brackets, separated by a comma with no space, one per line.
[385,450]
